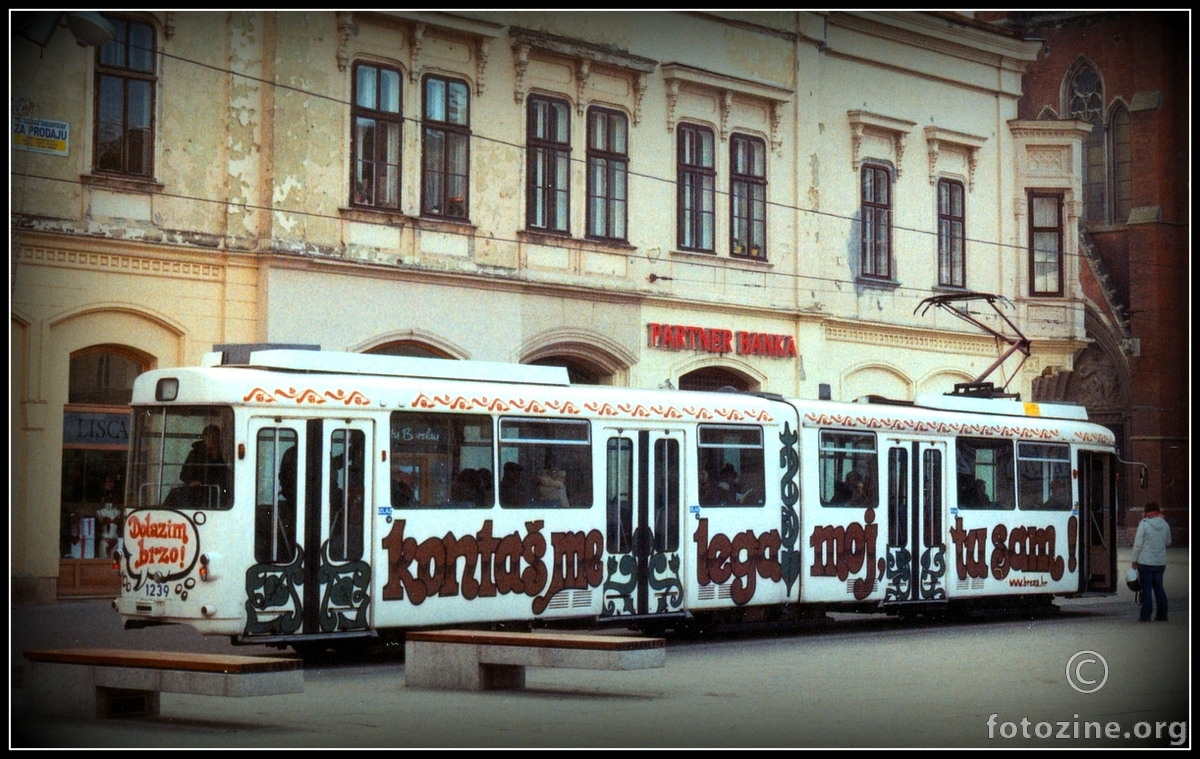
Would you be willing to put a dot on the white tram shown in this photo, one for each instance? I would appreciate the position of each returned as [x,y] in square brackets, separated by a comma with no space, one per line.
[354,496]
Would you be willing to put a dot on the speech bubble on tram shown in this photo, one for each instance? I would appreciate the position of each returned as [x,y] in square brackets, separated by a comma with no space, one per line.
[160,546]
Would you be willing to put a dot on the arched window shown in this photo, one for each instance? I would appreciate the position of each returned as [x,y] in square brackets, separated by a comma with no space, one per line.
[408,348]
[578,372]
[102,375]
[1122,163]
[713,378]
[1085,101]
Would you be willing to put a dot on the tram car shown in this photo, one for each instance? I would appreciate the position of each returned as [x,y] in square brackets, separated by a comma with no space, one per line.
[315,499]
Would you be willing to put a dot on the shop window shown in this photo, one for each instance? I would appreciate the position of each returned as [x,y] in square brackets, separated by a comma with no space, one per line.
[95,452]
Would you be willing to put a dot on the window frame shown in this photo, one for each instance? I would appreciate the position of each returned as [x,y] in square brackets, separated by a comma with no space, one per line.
[539,444]
[1120,150]
[841,452]
[873,231]
[1040,465]
[445,188]
[1085,101]
[383,121]
[126,75]
[429,450]
[1039,232]
[695,215]
[748,190]
[952,233]
[995,469]
[741,446]
[607,205]
[548,164]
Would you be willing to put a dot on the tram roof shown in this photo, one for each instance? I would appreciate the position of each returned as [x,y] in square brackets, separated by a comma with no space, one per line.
[1001,406]
[337,362]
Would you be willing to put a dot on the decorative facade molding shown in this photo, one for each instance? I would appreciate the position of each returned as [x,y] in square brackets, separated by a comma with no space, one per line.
[346,29]
[726,88]
[120,262]
[937,138]
[479,35]
[582,56]
[940,342]
[894,130]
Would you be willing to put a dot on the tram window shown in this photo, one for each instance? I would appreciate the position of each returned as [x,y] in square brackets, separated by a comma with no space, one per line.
[732,458]
[554,463]
[666,495]
[441,461]
[898,499]
[347,486]
[1044,476]
[985,473]
[163,441]
[619,494]
[848,465]
[931,496]
[275,496]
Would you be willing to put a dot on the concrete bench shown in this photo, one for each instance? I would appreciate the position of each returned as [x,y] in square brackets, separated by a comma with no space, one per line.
[484,660]
[95,683]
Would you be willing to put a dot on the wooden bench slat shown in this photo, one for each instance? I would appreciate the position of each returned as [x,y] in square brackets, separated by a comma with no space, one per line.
[541,640]
[177,660]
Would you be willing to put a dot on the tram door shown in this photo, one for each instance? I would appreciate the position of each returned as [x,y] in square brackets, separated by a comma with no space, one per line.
[916,536]
[338,569]
[1098,521]
[643,566]
[310,572]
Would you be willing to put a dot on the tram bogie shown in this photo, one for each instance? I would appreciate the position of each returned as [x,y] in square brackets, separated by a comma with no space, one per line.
[349,498]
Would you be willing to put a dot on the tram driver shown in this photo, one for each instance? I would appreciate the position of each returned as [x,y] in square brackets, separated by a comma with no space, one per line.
[205,464]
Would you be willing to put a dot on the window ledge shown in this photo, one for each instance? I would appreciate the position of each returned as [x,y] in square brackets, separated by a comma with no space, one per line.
[389,216]
[441,224]
[565,240]
[710,255]
[877,283]
[122,184]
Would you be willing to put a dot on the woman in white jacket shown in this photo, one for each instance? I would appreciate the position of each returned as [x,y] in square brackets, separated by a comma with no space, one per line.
[1150,560]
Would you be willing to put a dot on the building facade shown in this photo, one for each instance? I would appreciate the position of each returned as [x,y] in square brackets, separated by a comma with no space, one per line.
[1127,75]
[759,200]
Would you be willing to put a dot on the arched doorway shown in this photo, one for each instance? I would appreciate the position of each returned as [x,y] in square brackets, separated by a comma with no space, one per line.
[95,452]
[714,378]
